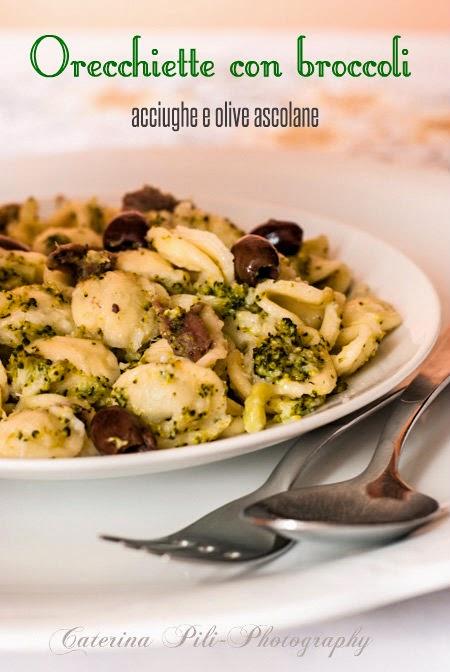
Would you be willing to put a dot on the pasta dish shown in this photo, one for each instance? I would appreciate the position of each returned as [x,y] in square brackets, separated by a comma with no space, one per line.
[159,325]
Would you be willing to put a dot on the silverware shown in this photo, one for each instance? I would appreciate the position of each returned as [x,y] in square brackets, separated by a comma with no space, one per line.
[223,534]
[377,505]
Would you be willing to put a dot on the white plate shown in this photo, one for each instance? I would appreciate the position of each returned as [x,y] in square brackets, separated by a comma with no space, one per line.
[55,573]
[387,271]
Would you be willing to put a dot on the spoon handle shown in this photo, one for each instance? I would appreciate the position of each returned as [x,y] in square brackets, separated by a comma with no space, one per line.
[286,472]
[433,376]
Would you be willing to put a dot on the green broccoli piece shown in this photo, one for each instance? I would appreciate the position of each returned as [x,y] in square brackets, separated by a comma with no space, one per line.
[33,374]
[308,403]
[285,355]
[229,297]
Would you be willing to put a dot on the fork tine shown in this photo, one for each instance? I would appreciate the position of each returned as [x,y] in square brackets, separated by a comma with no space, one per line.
[194,551]
[150,544]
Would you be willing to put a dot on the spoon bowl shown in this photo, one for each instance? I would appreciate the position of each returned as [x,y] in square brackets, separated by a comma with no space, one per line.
[343,512]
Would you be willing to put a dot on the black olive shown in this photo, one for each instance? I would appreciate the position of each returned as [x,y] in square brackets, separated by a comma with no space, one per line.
[115,430]
[126,231]
[255,259]
[285,236]
[8,243]
[188,335]
[9,212]
[67,257]
[80,261]
[149,198]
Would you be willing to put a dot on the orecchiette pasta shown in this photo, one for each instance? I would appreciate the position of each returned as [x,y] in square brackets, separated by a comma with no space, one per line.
[42,430]
[79,368]
[50,238]
[188,215]
[32,311]
[299,299]
[90,357]
[152,266]
[130,331]
[255,407]
[185,254]
[20,268]
[4,387]
[118,308]
[182,402]
[211,245]
[314,265]
[239,378]
[331,323]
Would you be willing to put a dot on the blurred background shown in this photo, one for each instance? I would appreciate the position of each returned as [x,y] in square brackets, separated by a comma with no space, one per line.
[396,120]
[336,14]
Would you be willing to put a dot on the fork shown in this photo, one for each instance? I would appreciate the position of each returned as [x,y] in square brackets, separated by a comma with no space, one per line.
[223,535]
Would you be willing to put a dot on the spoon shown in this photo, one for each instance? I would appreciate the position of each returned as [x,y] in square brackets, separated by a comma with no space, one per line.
[377,505]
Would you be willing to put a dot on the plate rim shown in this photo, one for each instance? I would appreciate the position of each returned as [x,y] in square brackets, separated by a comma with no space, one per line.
[290,612]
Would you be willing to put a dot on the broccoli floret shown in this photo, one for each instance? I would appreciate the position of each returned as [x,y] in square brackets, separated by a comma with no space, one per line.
[33,374]
[174,287]
[16,270]
[93,389]
[118,397]
[26,332]
[28,372]
[341,386]
[10,278]
[286,355]
[229,297]
[308,403]
[285,409]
